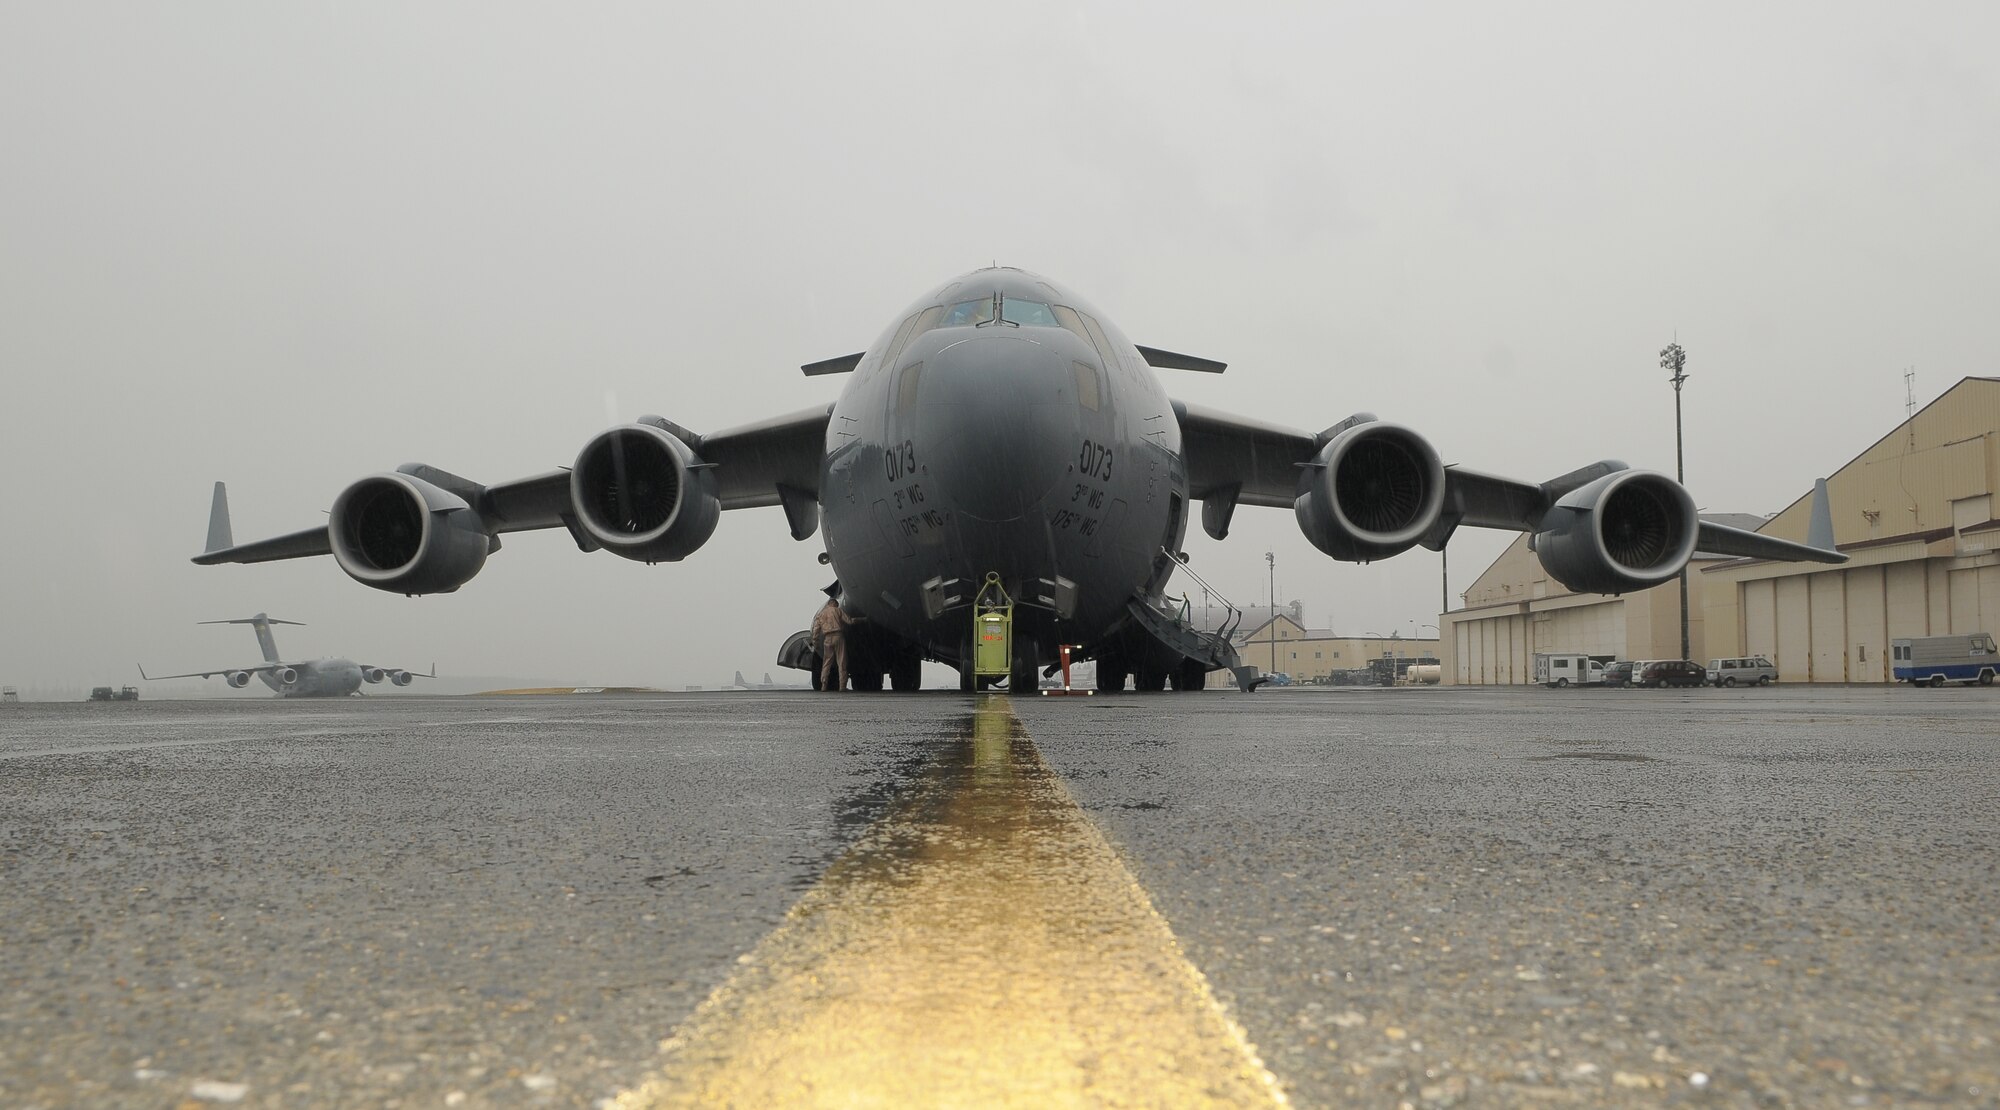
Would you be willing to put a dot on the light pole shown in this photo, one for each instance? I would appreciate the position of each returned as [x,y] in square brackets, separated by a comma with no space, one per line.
[1271,558]
[1674,359]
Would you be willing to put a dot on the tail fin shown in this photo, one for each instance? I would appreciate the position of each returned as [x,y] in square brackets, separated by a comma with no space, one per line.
[218,520]
[263,625]
[739,679]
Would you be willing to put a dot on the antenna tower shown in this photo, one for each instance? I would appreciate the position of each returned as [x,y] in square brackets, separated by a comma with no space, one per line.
[1910,402]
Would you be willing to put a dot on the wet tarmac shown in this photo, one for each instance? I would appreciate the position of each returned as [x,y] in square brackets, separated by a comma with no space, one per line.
[1780,897]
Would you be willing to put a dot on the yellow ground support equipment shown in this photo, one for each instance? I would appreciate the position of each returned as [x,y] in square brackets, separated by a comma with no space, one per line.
[992,629]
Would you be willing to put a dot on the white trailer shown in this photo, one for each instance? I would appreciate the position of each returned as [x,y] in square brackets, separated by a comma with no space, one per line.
[1559,669]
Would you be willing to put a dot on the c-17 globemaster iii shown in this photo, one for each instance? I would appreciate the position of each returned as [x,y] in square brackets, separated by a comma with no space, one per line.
[313,678]
[1002,430]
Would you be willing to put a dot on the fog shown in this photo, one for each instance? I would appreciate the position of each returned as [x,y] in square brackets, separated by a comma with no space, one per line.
[289,245]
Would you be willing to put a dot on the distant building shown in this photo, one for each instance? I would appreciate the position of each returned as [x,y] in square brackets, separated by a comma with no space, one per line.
[1914,513]
[1316,655]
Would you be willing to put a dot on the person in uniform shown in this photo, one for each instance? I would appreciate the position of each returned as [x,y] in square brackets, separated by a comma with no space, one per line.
[830,639]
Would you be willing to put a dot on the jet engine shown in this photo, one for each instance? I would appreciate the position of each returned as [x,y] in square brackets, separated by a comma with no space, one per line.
[641,492]
[1373,492]
[400,678]
[399,533]
[286,676]
[372,675]
[1626,531]
[238,679]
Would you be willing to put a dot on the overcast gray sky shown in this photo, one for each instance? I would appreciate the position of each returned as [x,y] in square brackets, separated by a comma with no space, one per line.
[286,245]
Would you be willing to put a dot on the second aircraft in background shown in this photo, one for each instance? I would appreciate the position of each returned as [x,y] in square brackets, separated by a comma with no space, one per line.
[316,678]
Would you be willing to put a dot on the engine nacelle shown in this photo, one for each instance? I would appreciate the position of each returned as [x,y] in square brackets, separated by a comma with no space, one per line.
[238,679]
[1374,491]
[372,675]
[642,493]
[402,534]
[400,678]
[286,676]
[1626,531]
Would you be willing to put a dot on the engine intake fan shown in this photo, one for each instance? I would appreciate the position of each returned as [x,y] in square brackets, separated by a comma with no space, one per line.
[1626,531]
[399,533]
[1373,492]
[641,492]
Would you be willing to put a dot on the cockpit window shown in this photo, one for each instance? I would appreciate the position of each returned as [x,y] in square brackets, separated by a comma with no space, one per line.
[968,313]
[1028,314]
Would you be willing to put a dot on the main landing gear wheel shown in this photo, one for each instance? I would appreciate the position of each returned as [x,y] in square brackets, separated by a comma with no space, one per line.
[1024,670]
[907,672]
[1150,679]
[1189,676]
[1110,675]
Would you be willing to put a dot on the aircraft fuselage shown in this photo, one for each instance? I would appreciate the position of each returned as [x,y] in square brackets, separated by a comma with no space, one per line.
[1034,444]
[320,678]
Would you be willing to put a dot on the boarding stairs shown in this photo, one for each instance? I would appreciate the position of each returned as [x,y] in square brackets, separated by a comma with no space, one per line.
[1169,622]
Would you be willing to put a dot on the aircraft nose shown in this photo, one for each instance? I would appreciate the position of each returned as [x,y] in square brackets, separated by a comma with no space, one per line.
[1000,423]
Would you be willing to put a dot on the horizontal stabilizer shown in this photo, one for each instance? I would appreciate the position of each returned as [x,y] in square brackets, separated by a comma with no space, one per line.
[842,365]
[1170,360]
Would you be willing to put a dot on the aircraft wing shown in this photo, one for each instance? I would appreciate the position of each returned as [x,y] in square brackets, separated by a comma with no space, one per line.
[296,545]
[753,460]
[1262,463]
[1724,540]
[771,462]
[432,673]
[750,463]
[1262,460]
[260,668]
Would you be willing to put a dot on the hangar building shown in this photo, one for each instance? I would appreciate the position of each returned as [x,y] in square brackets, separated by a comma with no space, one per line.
[1914,513]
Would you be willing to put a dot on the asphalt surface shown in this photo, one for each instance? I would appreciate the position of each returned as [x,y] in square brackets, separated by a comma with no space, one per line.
[1781,897]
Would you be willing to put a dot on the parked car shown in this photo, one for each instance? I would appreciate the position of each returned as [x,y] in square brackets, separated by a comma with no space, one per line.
[1674,672]
[1619,673]
[1754,670]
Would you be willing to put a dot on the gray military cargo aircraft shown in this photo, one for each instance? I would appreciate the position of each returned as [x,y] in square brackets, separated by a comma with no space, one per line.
[1002,429]
[316,678]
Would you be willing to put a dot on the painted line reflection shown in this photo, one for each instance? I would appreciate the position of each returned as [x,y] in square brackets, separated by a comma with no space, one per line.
[981,945]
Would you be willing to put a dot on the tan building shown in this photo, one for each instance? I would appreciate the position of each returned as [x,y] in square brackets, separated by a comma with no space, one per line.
[1515,609]
[1311,655]
[1914,513]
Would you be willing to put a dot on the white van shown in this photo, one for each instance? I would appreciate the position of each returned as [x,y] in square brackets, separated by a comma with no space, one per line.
[1754,670]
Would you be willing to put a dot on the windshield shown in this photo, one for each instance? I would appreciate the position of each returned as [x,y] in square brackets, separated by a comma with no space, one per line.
[1032,314]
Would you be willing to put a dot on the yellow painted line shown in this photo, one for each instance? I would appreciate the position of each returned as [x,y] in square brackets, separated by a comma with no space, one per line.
[981,945]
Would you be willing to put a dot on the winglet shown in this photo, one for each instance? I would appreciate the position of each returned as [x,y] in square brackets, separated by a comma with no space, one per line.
[218,521]
[1819,530]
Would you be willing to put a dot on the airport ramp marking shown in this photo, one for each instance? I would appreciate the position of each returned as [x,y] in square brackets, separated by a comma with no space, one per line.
[981,945]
